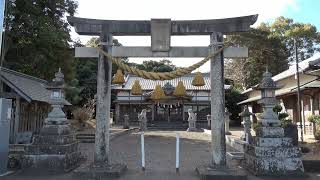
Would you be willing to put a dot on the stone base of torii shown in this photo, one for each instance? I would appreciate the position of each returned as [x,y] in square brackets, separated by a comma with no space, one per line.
[160,31]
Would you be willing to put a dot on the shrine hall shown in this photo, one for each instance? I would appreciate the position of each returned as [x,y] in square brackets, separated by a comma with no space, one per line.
[172,108]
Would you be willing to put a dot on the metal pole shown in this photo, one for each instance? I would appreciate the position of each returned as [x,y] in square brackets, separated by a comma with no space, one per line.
[142,151]
[298,90]
[177,153]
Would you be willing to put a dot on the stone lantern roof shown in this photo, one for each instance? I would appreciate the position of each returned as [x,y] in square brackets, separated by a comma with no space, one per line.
[267,82]
[57,82]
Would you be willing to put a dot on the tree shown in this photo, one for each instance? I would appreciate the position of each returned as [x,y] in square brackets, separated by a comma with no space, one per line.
[86,72]
[37,37]
[306,35]
[164,65]
[264,51]
[232,97]
[271,45]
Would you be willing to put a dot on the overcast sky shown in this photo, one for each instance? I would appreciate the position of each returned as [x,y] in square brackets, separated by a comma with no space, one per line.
[268,10]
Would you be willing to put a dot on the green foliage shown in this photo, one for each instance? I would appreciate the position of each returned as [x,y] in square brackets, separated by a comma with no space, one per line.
[285,122]
[86,73]
[306,36]
[264,50]
[73,92]
[271,45]
[156,66]
[232,97]
[37,38]
[317,135]
[277,108]
[283,117]
[256,126]
[314,119]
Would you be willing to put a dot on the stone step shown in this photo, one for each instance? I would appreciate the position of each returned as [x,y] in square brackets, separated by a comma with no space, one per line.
[87,140]
[85,134]
[86,137]
[221,173]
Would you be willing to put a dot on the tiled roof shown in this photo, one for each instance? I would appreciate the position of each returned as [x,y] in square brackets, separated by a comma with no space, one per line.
[28,87]
[147,84]
[303,65]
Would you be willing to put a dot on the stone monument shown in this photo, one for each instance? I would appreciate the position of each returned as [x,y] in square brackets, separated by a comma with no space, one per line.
[209,121]
[246,122]
[227,115]
[55,148]
[271,153]
[192,119]
[143,120]
[126,124]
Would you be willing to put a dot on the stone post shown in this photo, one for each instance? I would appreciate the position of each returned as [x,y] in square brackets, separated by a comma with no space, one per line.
[152,111]
[246,122]
[16,119]
[101,155]
[117,113]
[126,124]
[183,114]
[111,119]
[209,121]
[218,143]
[227,121]
[192,120]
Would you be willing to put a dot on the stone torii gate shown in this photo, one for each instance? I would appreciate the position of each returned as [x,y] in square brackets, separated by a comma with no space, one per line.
[161,31]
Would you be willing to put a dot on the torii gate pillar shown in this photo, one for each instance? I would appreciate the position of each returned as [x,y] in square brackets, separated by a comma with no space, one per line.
[218,142]
[101,155]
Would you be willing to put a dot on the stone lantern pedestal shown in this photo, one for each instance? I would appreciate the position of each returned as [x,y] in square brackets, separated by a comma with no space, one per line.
[55,149]
[271,153]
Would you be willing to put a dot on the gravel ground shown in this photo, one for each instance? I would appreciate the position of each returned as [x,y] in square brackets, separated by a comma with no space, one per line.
[160,157]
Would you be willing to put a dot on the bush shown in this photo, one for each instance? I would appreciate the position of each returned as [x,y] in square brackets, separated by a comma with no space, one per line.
[81,115]
[256,125]
[232,97]
[314,119]
[317,135]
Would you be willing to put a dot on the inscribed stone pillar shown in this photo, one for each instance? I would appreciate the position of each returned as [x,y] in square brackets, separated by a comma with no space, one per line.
[217,102]
[16,119]
[183,115]
[117,113]
[152,112]
[103,103]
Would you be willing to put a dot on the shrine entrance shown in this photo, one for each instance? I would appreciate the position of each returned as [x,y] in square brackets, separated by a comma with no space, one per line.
[160,31]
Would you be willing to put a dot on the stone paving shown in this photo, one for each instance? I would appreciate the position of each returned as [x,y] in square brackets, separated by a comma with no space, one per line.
[160,157]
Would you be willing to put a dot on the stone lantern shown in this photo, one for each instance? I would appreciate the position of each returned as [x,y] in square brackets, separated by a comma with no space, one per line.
[268,101]
[57,101]
[271,153]
[55,149]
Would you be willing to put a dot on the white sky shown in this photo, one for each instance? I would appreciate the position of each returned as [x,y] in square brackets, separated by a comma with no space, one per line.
[178,10]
